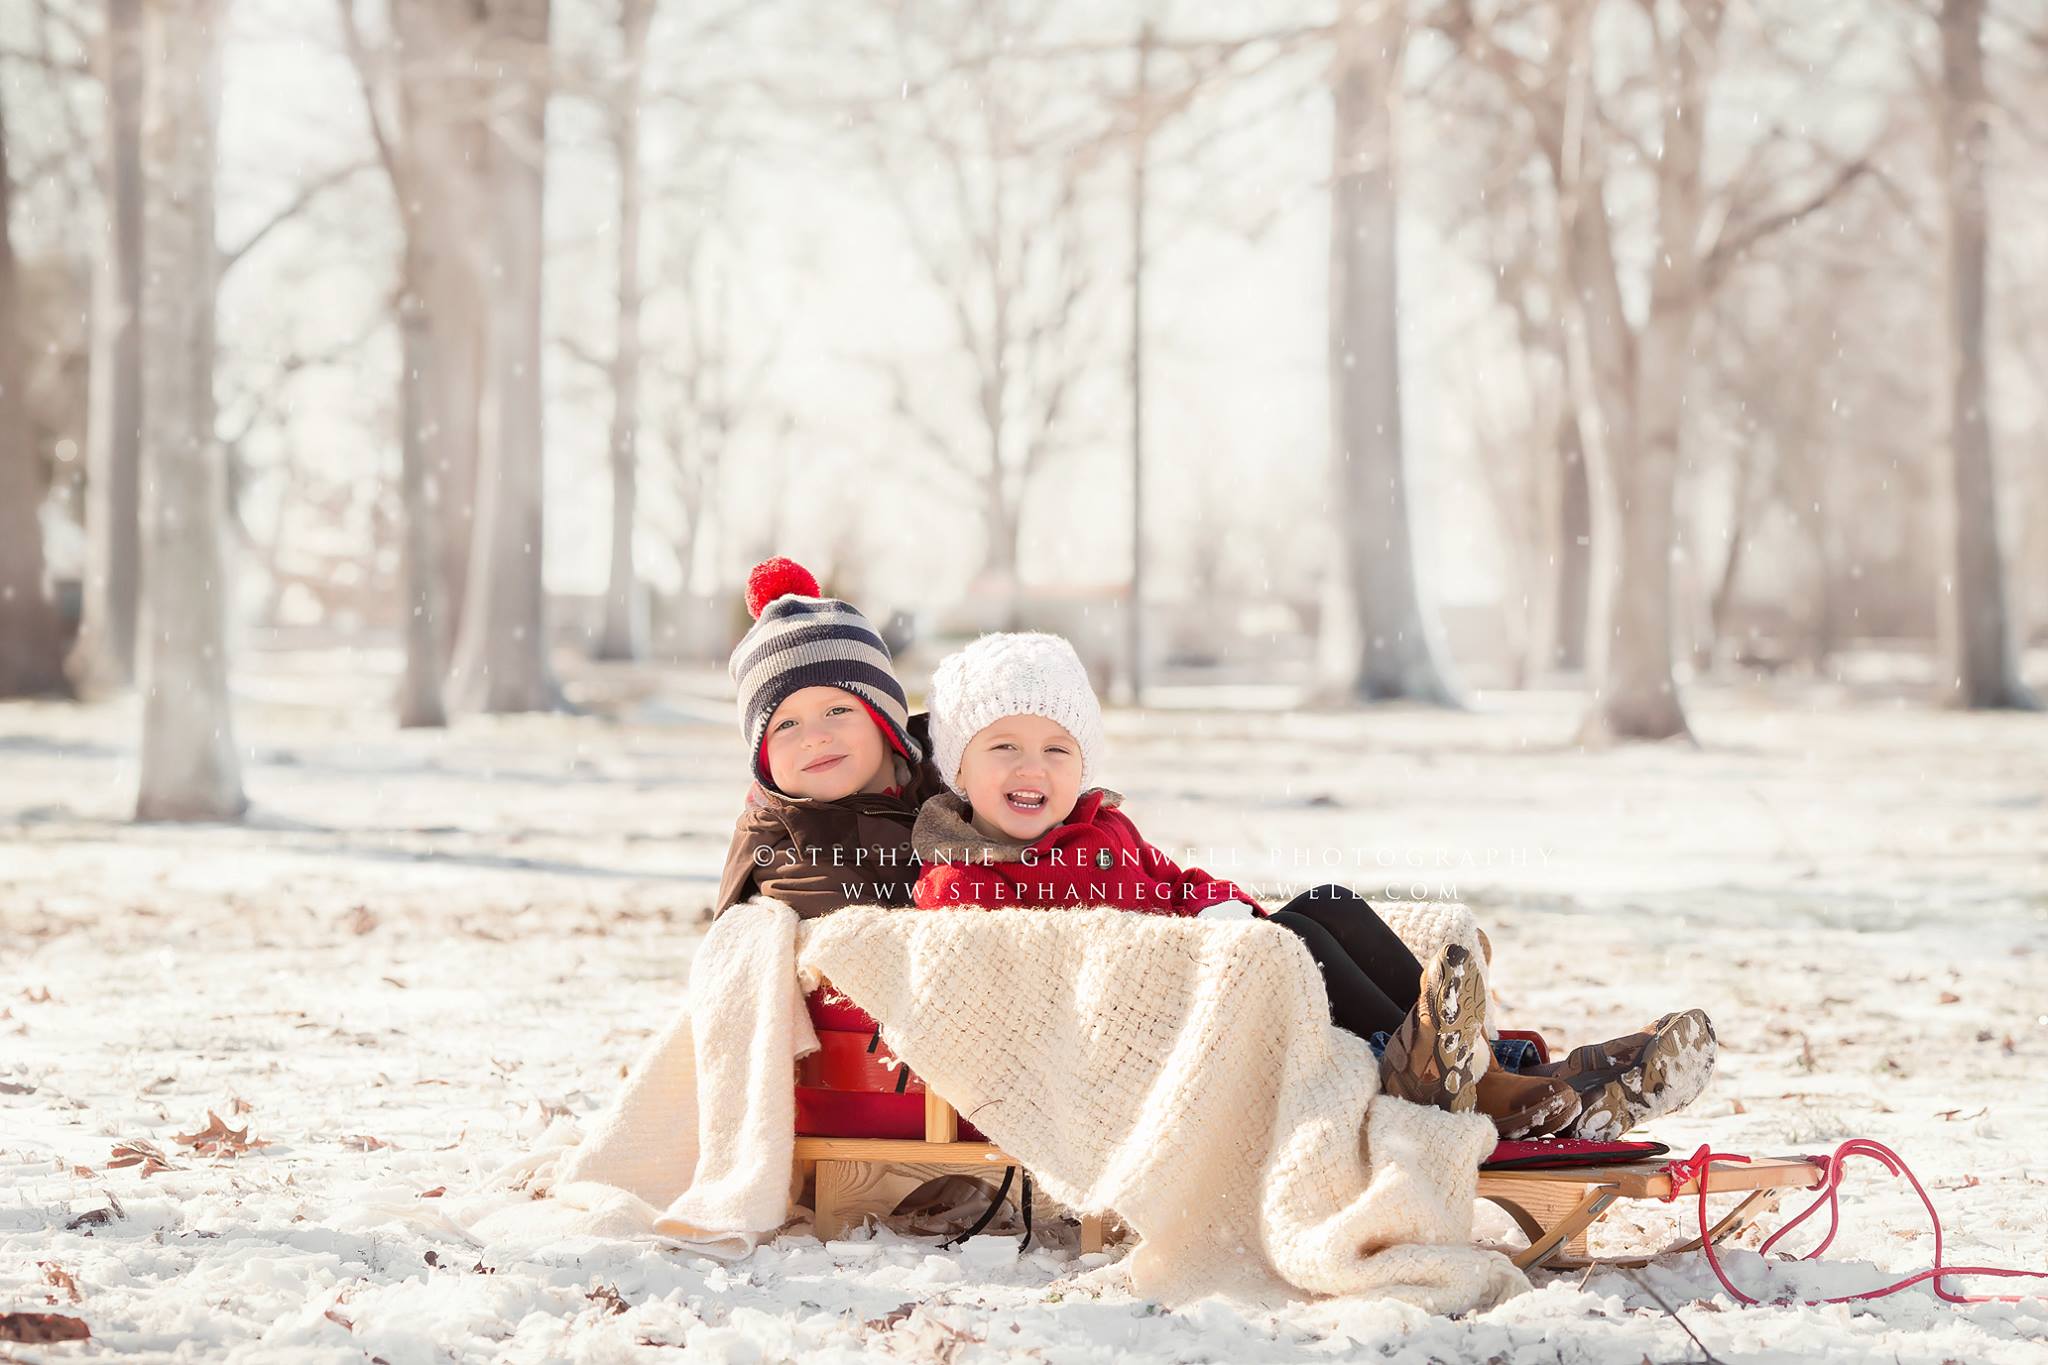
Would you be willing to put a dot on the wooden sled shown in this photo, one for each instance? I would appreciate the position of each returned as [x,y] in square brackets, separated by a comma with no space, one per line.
[1556,1207]
[850,1172]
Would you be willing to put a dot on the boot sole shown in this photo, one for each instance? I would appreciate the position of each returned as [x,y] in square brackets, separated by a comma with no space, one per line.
[1678,1062]
[1673,1071]
[1457,1007]
[1449,1014]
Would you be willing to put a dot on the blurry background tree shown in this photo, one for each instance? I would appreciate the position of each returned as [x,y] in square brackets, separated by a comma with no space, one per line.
[190,767]
[1974,620]
[1377,640]
[104,658]
[31,646]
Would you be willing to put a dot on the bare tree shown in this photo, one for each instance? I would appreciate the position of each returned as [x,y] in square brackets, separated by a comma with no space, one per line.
[720,392]
[1000,241]
[399,151]
[104,657]
[190,769]
[1632,382]
[1386,650]
[434,121]
[1627,378]
[31,642]
[623,635]
[1975,625]
[501,659]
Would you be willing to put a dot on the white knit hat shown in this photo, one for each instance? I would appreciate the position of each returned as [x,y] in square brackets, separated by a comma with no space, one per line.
[1021,674]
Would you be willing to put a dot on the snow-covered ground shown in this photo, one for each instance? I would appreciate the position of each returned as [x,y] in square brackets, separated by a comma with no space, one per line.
[423,948]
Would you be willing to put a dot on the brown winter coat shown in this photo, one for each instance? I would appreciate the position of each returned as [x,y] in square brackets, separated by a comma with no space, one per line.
[820,856]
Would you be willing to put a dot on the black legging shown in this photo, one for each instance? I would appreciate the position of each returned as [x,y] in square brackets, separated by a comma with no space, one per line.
[1371,977]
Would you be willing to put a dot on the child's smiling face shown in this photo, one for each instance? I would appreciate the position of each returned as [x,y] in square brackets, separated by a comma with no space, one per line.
[1022,775]
[822,744]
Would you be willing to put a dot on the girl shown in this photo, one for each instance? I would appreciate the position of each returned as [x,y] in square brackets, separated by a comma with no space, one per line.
[1015,732]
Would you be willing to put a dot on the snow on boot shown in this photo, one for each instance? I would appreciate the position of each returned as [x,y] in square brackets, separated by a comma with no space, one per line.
[1660,1075]
[1439,1052]
[1526,1106]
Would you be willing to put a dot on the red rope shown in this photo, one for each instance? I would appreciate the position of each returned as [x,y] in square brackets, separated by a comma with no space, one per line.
[1697,1166]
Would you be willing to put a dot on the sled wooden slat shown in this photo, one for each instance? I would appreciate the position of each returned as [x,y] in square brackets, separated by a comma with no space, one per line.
[1646,1179]
[1555,1208]
[966,1155]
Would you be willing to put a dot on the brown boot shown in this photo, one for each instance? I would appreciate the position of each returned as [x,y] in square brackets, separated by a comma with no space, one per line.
[1629,1081]
[1439,1052]
[1527,1106]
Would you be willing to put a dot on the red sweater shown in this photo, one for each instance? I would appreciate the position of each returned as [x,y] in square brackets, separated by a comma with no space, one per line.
[1096,857]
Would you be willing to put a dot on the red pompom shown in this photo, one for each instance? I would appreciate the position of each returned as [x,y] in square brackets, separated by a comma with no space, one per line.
[777,577]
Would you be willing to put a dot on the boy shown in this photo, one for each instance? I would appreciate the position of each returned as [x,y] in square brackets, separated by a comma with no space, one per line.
[838,761]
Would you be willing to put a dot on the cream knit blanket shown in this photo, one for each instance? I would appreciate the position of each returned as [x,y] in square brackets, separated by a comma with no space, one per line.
[1183,1074]
[1186,1076]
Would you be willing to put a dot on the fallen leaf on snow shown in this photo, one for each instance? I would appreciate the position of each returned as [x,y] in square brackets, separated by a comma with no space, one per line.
[216,1139]
[11,1088]
[238,1105]
[608,1298]
[434,1193]
[35,995]
[42,1327]
[1951,998]
[56,1276]
[361,919]
[363,1142]
[147,1155]
[891,1318]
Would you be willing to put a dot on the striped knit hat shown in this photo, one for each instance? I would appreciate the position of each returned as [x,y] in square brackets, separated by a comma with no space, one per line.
[800,640]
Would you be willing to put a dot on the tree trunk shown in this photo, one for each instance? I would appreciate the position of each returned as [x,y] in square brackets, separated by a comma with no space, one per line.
[1574,545]
[1825,628]
[1390,653]
[31,642]
[190,770]
[625,612]
[1975,626]
[104,658]
[1722,601]
[501,660]
[1637,697]
[443,97]
[420,703]
[456,326]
